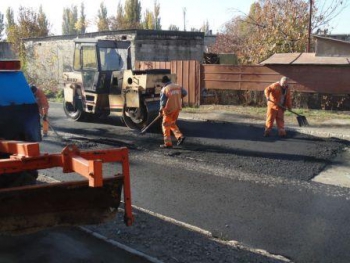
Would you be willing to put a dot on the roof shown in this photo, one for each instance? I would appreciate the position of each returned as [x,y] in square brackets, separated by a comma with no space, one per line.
[304,59]
[333,39]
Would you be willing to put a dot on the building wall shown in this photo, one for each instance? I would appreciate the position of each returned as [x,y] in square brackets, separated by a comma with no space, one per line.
[47,58]
[332,48]
[5,51]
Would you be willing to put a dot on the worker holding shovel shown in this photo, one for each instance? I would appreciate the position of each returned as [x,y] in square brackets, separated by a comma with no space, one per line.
[279,99]
[43,106]
[170,105]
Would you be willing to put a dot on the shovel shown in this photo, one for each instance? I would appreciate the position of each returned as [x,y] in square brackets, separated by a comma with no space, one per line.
[149,125]
[51,127]
[302,121]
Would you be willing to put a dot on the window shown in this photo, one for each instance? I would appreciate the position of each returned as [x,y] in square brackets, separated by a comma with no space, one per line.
[112,59]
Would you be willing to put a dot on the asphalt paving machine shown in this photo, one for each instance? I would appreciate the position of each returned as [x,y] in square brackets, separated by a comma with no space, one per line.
[28,205]
[103,83]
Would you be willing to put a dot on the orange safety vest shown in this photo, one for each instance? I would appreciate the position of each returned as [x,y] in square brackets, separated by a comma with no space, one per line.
[174,94]
[280,95]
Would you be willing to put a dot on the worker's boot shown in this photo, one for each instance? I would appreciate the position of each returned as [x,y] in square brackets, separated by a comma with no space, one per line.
[266,133]
[165,146]
[181,140]
[282,133]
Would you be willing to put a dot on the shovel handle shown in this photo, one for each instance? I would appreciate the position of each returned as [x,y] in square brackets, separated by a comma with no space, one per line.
[281,106]
[149,125]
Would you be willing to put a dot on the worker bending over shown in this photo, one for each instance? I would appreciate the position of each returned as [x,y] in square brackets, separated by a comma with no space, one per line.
[43,106]
[170,105]
[277,94]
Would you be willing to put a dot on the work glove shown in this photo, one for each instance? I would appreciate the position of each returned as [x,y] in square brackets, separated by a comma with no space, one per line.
[44,117]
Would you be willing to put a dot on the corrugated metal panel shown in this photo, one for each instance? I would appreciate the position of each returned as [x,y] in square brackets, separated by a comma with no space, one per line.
[303,78]
[187,72]
[237,77]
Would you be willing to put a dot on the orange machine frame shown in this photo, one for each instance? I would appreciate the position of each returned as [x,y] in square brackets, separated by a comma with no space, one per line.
[26,156]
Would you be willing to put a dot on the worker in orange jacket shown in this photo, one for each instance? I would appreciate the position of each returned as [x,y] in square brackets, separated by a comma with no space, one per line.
[43,106]
[170,106]
[277,93]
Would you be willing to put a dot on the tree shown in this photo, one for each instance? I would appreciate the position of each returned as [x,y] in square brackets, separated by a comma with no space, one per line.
[70,18]
[148,22]
[118,22]
[132,14]
[272,26]
[29,24]
[206,28]
[11,27]
[82,23]
[152,19]
[174,27]
[102,18]
[43,23]
[156,12]
[2,25]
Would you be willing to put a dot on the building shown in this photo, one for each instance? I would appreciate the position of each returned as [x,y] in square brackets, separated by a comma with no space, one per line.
[47,58]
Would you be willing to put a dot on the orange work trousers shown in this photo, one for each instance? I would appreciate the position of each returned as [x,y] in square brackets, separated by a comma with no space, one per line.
[45,125]
[169,125]
[272,115]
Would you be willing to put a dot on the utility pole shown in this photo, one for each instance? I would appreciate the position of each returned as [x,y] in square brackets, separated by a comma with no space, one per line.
[184,13]
[309,33]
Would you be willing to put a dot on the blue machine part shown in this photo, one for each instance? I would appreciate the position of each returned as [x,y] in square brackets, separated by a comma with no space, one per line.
[14,89]
[19,113]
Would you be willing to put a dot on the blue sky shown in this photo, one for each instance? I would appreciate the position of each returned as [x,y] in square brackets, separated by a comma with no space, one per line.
[171,12]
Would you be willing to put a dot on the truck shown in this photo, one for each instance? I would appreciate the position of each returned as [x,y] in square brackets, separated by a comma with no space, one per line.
[103,83]
[28,204]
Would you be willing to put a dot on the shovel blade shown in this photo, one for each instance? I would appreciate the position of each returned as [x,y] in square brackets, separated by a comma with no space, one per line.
[302,121]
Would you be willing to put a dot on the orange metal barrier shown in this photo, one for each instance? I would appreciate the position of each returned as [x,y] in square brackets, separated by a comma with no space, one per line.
[26,156]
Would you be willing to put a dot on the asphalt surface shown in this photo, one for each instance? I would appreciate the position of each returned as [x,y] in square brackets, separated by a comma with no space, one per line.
[58,245]
[238,185]
[332,127]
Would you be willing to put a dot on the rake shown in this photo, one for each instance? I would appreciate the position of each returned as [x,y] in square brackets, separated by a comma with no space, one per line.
[302,121]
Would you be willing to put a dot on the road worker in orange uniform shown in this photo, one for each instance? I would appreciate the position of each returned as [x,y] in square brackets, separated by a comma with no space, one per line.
[277,93]
[170,106]
[43,106]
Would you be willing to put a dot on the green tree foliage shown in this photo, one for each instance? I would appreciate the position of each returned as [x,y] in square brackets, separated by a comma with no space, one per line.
[272,26]
[132,14]
[102,18]
[29,24]
[82,23]
[43,23]
[156,12]
[70,19]
[118,22]
[148,22]
[152,19]
[11,27]
[2,25]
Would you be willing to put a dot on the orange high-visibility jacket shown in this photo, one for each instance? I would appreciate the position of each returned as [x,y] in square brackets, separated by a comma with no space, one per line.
[279,95]
[42,102]
[172,95]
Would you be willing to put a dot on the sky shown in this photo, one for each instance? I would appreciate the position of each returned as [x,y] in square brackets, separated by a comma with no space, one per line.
[217,13]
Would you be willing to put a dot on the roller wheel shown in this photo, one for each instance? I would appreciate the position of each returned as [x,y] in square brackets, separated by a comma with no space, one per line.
[74,112]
